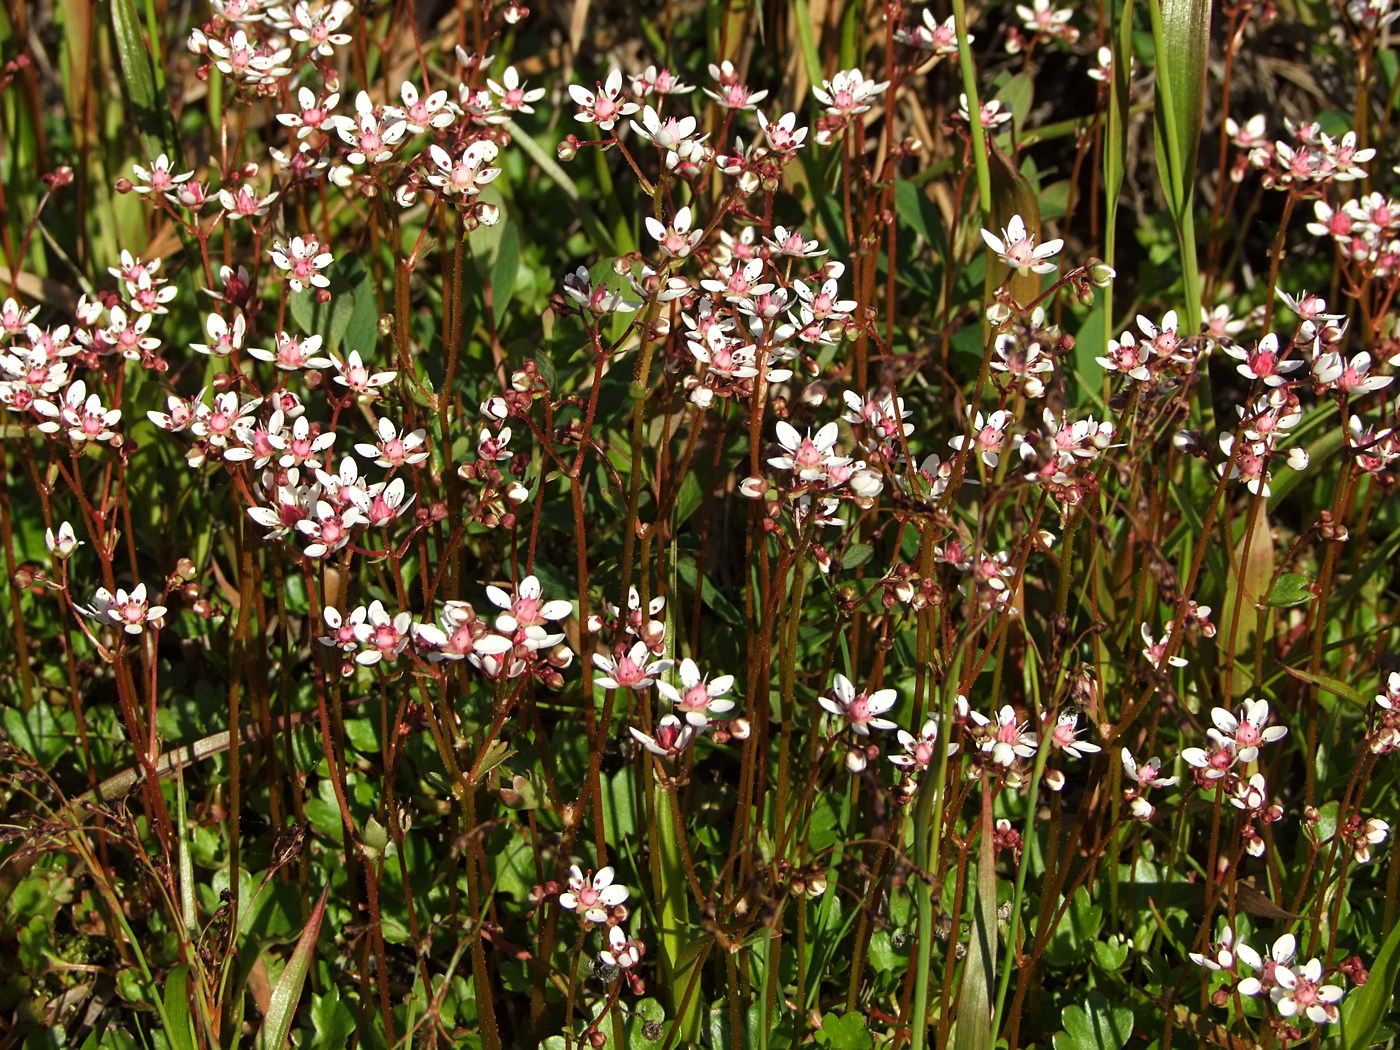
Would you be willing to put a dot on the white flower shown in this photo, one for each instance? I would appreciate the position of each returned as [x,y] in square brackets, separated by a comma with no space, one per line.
[303,262]
[672,736]
[677,239]
[809,457]
[632,669]
[525,609]
[860,711]
[1247,727]
[1147,774]
[129,611]
[605,106]
[1008,741]
[667,134]
[592,895]
[511,90]
[698,699]
[1018,249]
[623,952]
[468,173]
[1063,736]
[63,543]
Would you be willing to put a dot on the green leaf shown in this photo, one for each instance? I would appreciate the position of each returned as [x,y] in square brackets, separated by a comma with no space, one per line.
[363,735]
[1094,1026]
[303,310]
[1330,685]
[180,1030]
[1016,97]
[277,1025]
[1367,1006]
[332,1021]
[354,319]
[138,75]
[857,556]
[1290,589]
[504,271]
[717,602]
[974,1030]
[688,500]
[844,1032]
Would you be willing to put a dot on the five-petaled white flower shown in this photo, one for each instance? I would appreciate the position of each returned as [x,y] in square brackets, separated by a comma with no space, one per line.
[604,107]
[698,699]
[631,669]
[592,894]
[466,174]
[303,262]
[1008,741]
[1248,727]
[810,457]
[677,239]
[1017,248]
[128,610]
[862,712]
[525,609]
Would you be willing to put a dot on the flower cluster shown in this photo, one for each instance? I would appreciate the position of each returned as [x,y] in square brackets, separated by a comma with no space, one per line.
[1296,989]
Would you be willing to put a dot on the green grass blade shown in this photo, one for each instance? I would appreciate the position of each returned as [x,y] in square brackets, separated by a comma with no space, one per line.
[802,17]
[980,969]
[179,1026]
[139,75]
[1181,35]
[277,1025]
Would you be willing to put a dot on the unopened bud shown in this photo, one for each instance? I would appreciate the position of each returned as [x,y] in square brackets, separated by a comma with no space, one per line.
[753,487]
[567,150]
[1102,275]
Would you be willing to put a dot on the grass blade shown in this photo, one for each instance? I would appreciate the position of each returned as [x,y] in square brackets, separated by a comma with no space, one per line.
[1366,1007]
[277,1025]
[179,1026]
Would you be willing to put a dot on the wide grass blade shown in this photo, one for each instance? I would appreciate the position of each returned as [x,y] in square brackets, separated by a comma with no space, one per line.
[1181,35]
[277,1025]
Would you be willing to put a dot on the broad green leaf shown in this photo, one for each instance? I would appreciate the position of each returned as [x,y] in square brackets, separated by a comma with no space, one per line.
[332,1021]
[1094,1026]
[1016,96]
[844,1032]
[857,556]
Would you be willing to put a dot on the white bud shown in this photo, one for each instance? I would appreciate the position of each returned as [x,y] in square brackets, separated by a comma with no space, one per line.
[867,484]
[753,487]
[64,543]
